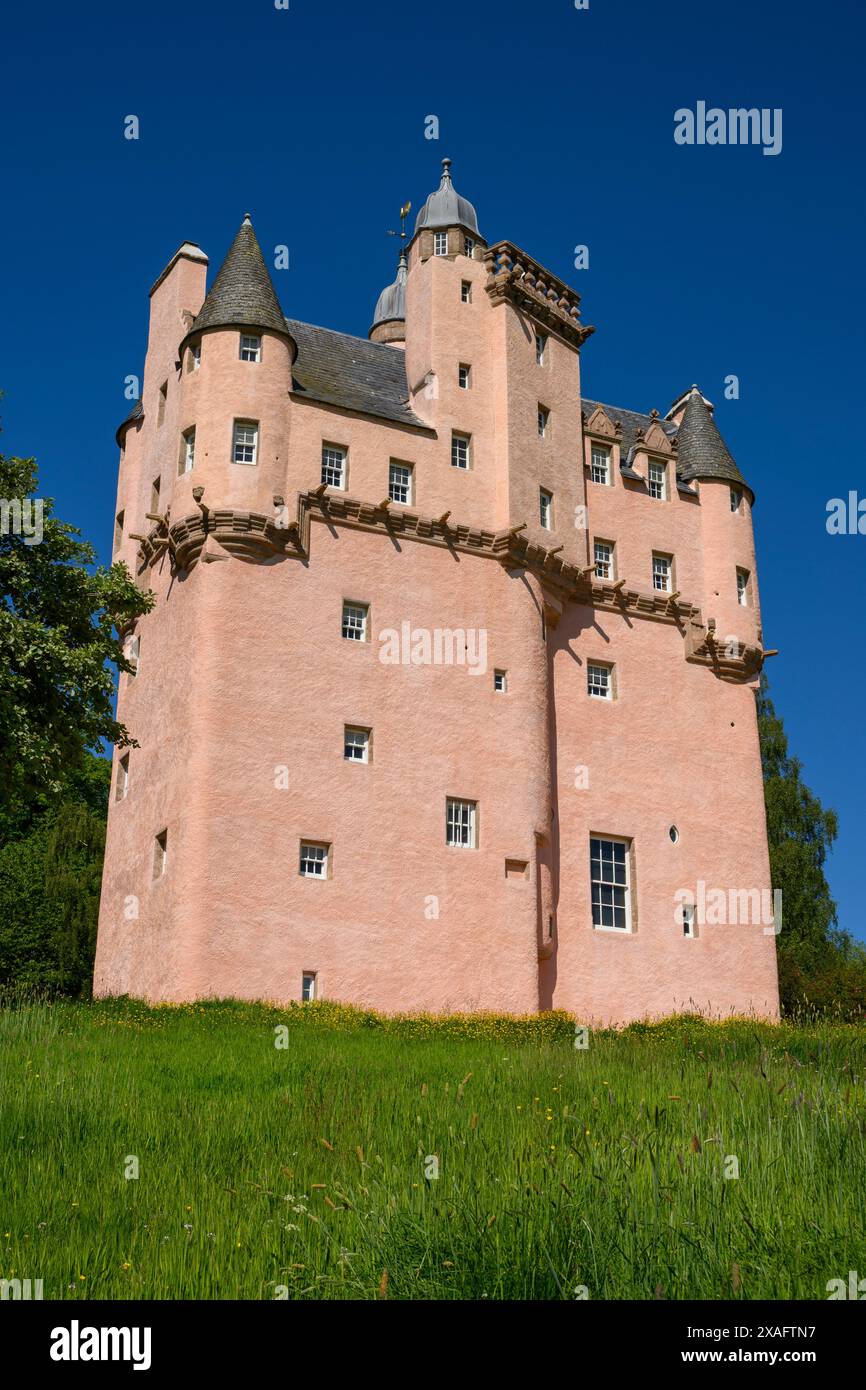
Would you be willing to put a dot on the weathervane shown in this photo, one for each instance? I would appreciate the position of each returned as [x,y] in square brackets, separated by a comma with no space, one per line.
[404,213]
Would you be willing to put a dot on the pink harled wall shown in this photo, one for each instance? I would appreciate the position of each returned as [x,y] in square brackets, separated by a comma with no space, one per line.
[245,685]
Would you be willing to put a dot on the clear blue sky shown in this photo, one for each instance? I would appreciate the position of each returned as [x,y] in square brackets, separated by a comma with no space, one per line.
[704,261]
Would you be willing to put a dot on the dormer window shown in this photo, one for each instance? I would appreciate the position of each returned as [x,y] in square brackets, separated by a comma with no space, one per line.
[468,246]
[599,468]
[657,481]
[251,348]
[440,243]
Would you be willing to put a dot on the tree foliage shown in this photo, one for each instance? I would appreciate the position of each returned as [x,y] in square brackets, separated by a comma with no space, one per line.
[59,616]
[821,968]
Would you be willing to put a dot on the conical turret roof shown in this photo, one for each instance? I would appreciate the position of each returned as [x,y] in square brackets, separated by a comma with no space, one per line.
[701,451]
[242,293]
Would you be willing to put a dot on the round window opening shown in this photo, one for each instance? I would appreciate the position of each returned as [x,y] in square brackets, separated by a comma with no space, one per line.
[674,834]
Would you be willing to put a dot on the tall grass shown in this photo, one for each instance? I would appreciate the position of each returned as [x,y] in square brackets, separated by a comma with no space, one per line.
[307,1170]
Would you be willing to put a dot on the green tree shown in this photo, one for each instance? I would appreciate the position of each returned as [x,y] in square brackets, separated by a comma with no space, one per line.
[49,888]
[59,616]
[801,834]
[820,966]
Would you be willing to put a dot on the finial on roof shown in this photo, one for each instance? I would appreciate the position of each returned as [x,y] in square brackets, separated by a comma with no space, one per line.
[446,208]
[247,219]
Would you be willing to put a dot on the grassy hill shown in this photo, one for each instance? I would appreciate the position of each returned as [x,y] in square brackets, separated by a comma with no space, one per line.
[292,1153]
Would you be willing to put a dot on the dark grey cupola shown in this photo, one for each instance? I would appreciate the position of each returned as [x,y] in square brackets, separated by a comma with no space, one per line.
[446,208]
[391,304]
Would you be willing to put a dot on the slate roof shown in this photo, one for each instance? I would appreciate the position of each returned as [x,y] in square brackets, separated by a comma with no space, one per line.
[242,292]
[340,370]
[632,422]
[137,413]
[702,452]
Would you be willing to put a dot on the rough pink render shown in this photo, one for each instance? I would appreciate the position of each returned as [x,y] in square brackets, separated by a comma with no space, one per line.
[243,671]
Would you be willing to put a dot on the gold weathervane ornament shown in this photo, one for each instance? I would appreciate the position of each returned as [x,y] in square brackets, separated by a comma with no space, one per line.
[404,213]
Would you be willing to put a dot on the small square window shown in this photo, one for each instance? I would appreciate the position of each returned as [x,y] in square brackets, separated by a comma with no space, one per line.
[118,530]
[464,376]
[315,858]
[400,480]
[466,291]
[468,246]
[308,986]
[460,823]
[603,557]
[460,446]
[121,786]
[599,468]
[355,617]
[440,243]
[160,854]
[187,451]
[540,348]
[736,499]
[500,681]
[545,507]
[245,447]
[599,680]
[543,421]
[743,588]
[356,745]
[662,572]
[657,481]
[251,348]
[610,885]
[334,465]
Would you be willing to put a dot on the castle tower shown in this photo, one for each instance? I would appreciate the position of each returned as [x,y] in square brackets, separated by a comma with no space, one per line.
[435,707]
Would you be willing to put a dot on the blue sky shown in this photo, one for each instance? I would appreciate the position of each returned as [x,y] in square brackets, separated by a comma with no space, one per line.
[704,261]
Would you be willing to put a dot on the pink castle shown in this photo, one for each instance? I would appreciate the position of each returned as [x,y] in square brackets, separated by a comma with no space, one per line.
[446,701]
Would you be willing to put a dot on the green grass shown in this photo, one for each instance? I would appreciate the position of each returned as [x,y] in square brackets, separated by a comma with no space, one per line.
[304,1166]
